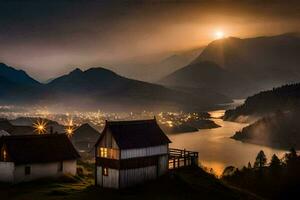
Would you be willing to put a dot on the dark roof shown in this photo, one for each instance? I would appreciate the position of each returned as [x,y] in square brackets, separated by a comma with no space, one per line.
[86,132]
[136,134]
[24,149]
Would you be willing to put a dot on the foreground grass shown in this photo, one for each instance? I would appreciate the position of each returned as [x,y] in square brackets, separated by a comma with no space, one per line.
[187,183]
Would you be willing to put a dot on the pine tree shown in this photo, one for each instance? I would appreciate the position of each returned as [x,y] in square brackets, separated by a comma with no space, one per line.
[260,160]
[275,163]
[249,165]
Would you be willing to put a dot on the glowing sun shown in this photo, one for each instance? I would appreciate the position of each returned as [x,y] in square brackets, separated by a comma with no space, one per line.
[219,34]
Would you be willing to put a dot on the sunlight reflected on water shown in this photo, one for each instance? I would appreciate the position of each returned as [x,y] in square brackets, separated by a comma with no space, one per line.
[217,150]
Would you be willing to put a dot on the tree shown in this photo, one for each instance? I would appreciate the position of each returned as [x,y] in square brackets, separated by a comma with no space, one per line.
[260,160]
[291,156]
[275,163]
[229,171]
[249,165]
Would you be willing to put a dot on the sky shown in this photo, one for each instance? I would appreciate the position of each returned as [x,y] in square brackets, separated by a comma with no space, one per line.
[50,38]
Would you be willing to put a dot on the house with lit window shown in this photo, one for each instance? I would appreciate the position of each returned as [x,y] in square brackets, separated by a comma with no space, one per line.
[130,152]
[29,157]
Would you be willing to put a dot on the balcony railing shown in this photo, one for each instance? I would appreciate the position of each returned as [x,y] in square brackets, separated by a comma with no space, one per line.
[181,157]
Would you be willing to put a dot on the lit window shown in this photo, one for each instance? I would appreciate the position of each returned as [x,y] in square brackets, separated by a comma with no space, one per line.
[4,155]
[103,152]
[104,171]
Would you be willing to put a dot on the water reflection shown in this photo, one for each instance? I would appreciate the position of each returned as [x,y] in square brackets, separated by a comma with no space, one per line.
[217,150]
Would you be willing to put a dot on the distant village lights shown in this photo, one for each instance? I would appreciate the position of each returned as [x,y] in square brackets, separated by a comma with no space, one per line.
[69,131]
[40,126]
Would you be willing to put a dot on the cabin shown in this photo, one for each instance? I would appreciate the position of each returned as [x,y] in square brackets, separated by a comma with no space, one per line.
[130,152]
[84,138]
[30,157]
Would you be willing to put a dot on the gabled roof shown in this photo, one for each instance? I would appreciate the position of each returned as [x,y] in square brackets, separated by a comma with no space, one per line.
[25,149]
[86,132]
[136,134]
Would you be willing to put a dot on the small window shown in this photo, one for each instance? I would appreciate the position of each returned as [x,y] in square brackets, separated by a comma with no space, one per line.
[27,170]
[104,171]
[103,152]
[4,155]
[60,167]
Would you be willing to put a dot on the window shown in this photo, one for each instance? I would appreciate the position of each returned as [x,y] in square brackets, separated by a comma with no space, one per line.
[103,152]
[60,166]
[4,155]
[104,171]
[27,170]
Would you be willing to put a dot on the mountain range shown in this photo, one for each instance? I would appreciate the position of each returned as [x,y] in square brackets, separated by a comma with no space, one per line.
[227,67]
[242,67]
[98,88]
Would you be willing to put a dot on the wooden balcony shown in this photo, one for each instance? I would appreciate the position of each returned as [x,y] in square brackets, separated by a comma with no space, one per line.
[181,158]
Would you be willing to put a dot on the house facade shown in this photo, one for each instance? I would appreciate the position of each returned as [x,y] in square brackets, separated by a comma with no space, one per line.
[130,152]
[30,157]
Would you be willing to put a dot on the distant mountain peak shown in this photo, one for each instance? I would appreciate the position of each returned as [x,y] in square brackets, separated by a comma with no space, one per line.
[16,75]
[76,71]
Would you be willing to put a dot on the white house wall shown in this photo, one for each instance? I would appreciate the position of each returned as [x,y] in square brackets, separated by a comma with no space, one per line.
[144,152]
[43,170]
[163,162]
[7,171]
[112,180]
[130,177]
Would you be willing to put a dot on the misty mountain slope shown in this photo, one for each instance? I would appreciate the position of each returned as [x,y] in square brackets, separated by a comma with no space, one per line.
[251,65]
[204,74]
[285,98]
[265,61]
[16,76]
[153,71]
[275,116]
[102,87]
[279,130]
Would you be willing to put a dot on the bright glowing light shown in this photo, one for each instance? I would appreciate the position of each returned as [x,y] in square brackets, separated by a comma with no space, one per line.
[219,34]
[69,131]
[40,126]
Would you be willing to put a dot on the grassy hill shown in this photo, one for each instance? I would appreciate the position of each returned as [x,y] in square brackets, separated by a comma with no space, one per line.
[185,183]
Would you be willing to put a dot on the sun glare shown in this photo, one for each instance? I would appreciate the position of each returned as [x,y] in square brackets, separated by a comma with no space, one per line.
[219,34]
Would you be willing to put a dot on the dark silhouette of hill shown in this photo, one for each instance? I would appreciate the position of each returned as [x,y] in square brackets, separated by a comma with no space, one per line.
[204,74]
[99,87]
[254,63]
[280,130]
[16,86]
[16,76]
[279,112]
[284,98]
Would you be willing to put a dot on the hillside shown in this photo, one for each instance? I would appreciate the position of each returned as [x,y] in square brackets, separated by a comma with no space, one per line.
[284,98]
[99,87]
[243,66]
[189,183]
[277,114]
[280,130]
[205,75]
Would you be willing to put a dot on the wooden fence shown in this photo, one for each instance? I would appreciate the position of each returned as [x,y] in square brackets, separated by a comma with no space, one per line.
[181,158]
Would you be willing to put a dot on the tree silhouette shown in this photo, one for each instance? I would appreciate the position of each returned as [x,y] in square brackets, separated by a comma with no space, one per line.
[260,160]
[249,165]
[275,164]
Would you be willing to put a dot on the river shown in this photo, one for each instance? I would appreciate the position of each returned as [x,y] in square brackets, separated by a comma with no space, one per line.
[217,150]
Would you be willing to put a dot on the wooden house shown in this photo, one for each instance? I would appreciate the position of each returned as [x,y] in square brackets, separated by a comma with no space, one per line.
[130,152]
[29,157]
